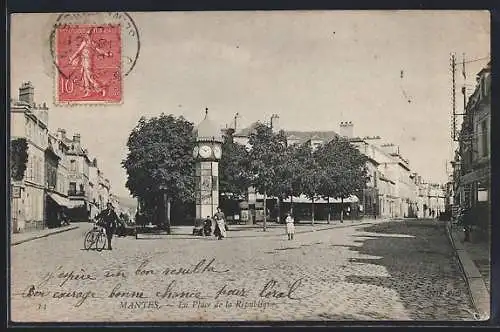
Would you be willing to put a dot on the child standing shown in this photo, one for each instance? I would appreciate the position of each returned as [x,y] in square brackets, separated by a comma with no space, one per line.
[290,227]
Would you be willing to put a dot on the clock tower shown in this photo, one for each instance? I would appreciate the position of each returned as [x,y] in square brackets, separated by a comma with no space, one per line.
[207,153]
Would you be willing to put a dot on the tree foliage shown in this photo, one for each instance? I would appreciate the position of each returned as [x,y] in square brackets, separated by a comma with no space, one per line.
[160,158]
[234,176]
[266,159]
[310,172]
[18,158]
[343,168]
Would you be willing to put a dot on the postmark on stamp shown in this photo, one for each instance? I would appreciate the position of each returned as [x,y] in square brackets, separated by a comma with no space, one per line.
[88,58]
[91,54]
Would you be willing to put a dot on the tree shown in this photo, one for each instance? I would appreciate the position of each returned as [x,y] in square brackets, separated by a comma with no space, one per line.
[283,184]
[160,162]
[344,170]
[18,158]
[234,176]
[311,174]
[264,159]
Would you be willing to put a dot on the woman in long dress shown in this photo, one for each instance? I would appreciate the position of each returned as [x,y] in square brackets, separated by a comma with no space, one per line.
[220,225]
[290,227]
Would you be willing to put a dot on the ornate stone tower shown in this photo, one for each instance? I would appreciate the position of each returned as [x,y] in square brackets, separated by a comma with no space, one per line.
[207,152]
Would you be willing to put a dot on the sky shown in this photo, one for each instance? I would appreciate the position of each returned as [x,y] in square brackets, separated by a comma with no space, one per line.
[312,68]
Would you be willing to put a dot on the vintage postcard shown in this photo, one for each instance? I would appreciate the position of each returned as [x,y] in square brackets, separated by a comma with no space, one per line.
[250,166]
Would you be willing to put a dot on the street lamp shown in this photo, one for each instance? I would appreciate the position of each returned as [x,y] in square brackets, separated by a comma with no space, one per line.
[166,206]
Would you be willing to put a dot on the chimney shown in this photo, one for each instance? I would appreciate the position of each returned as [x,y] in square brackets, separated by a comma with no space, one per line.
[76,141]
[27,93]
[61,134]
[275,123]
[346,129]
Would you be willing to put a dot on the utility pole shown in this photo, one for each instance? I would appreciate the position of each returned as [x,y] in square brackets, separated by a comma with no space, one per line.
[463,87]
[453,96]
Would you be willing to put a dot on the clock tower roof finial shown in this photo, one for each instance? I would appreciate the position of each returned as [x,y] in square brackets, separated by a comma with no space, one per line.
[207,130]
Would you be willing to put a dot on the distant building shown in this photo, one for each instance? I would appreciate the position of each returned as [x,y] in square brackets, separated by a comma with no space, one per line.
[391,190]
[93,196]
[78,176]
[61,147]
[56,198]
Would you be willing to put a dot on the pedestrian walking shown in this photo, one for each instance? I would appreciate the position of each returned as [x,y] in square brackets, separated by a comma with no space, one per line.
[108,220]
[220,224]
[290,227]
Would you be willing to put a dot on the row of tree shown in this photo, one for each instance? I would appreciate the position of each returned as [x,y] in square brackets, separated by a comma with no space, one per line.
[334,170]
[160,165]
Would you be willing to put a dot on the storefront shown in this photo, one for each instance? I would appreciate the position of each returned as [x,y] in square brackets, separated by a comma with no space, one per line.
[54,206]
[475,194]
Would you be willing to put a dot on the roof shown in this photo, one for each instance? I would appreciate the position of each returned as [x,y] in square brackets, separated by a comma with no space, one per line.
[304,136]
[293,135]
[246,131]
[207,129]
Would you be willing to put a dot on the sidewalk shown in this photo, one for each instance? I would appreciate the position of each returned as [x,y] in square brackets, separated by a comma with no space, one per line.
[474,260]
[18,238]
[256,230]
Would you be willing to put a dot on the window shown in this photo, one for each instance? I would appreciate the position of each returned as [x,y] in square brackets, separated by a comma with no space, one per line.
[72,165]
[35,171]
[484,138]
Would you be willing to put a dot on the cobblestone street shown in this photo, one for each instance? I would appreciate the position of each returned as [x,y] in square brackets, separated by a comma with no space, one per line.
[398,270]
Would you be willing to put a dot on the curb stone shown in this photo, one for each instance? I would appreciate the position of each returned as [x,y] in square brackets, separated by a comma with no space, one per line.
[39,236]
[475,284]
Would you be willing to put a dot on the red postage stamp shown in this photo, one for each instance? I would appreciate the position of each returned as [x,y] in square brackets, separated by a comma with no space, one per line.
[88,61]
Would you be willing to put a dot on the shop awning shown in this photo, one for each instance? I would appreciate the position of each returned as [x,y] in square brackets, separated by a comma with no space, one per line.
[60,200]
[478,175]
[76,204]
[304,199]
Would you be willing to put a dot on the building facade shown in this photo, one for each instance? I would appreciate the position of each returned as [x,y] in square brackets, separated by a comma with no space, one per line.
[29,121]
[78,177]
[55,201]
[472,168]
[61,147]
[59,175]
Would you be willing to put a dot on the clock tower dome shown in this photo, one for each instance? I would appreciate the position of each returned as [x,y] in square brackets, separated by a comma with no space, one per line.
[207,153]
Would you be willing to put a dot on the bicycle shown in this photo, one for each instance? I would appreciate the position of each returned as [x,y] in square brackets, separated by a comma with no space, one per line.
[95,236]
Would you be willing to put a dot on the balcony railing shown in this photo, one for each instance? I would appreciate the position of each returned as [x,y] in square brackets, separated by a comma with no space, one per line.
[76,192]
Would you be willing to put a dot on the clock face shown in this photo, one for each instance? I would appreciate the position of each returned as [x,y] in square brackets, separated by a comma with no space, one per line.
[217,152]
[205,151]
[195,151]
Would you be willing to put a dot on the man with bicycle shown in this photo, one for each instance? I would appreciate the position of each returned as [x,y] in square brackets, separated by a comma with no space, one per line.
[108,219]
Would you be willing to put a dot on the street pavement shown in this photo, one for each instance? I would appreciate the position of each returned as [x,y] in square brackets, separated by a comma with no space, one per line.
[397,270]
